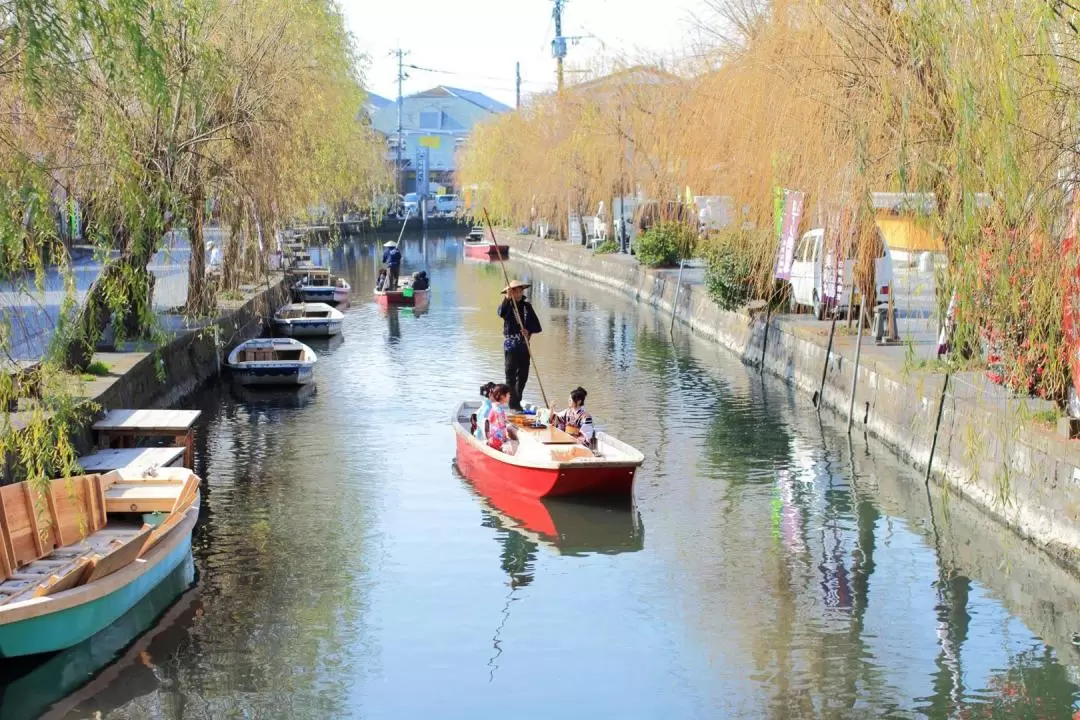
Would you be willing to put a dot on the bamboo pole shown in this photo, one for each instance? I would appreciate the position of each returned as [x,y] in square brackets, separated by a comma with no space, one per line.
[855,371]
[513,306]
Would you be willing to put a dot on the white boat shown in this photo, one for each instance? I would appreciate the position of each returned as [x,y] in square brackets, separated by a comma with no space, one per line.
[308,320]
[316,284]
[272,361]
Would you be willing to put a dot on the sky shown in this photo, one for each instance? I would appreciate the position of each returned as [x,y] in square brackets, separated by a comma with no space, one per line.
[475,43]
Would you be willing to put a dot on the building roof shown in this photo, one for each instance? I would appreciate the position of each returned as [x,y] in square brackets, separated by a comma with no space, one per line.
[377,101]
[635,75]
[476,98]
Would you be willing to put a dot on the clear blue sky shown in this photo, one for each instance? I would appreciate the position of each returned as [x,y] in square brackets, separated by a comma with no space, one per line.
[478,41]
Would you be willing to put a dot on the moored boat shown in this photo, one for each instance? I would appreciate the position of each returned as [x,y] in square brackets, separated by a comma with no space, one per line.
[316,284]
[80,552]
[483,250]
[308,320]
[272,361]
[548,462]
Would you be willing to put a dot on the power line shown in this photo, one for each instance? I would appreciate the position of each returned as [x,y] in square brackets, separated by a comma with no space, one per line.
[473,75]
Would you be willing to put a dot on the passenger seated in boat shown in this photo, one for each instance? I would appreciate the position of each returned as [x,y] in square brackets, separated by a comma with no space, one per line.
[420,280]
[500,435]
[380,281]
[480,430]
[576,419]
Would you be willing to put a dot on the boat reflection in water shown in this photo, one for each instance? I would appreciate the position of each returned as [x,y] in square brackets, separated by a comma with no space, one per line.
[567,527]
[31,686]
[290,398]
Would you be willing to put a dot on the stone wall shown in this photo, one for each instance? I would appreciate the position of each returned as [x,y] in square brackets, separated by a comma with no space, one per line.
[989,449]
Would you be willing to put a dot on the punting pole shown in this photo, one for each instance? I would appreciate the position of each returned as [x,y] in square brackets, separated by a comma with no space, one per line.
[513,306]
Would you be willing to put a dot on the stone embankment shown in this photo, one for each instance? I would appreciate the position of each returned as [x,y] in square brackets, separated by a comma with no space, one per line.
[990,447]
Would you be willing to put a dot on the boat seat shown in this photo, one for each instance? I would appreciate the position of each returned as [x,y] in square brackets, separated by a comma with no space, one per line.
[142,497]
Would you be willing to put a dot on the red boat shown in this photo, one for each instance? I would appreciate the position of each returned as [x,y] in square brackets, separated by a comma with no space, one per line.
[548,462]
[416,298]
[486,251]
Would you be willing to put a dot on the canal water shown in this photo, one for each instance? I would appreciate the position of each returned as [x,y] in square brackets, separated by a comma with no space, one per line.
[769,566]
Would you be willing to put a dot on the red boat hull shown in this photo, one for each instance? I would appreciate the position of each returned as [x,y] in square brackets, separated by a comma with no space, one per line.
[539,482]
[397,297]
[486,251]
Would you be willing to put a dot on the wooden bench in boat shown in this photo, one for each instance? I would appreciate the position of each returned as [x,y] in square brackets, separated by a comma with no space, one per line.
[57,540]
[270,355]
[141,458]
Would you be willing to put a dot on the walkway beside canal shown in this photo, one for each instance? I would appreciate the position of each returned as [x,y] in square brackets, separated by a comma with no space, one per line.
[140,376]
[991,449]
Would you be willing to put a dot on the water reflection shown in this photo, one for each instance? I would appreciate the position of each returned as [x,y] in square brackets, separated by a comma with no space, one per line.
[32,685]
[567,527]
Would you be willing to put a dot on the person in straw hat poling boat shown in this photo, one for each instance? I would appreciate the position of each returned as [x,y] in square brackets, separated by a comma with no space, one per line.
[515,351]
[391,258]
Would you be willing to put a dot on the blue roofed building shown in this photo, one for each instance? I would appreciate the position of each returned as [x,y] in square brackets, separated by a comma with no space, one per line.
[439,119]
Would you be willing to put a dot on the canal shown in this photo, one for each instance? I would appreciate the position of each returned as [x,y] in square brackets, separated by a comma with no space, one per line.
[768,567]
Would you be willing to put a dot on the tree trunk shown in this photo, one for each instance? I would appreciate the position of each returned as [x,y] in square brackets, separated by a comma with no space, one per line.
[198,302]
[231,267]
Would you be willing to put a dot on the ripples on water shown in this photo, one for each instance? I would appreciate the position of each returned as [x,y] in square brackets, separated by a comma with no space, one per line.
[768,567]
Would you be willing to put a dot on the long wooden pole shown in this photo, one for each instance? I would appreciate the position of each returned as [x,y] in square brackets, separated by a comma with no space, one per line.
[513,306]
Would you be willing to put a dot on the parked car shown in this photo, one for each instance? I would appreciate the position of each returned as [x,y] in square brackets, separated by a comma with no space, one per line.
[411,204]
[808,269]
[447,204]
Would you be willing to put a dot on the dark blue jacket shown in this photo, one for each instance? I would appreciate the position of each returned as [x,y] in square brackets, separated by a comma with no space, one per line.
[510,323]
[391,257]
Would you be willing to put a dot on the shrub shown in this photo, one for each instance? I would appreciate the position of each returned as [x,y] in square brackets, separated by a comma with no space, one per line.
[729,276]
[607,247]
[662,245]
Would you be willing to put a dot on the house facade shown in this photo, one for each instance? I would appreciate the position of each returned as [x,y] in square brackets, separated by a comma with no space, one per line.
[439,119]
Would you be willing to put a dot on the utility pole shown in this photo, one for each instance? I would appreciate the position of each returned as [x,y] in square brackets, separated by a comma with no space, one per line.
[558,45]
[517,85]
[400,79]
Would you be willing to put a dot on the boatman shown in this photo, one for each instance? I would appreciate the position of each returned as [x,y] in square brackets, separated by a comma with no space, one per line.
[515,351]
[391,258]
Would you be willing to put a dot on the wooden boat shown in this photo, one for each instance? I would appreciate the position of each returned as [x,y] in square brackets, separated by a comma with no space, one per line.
[78,555]
[548,463]
[483,250]
[316,285]
[272,361]
[404,295]
[308,320]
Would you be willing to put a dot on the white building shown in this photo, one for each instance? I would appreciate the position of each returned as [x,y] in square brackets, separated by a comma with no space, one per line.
[439,119]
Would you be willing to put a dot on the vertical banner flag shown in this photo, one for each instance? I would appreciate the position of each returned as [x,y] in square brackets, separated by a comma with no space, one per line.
[1071,319]
[789,233]
[838,240]
[422,171]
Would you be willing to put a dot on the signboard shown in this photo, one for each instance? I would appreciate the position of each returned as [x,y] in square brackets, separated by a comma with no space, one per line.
[838,243]
[789,233]
[430,141]
[422,171]
[575,229]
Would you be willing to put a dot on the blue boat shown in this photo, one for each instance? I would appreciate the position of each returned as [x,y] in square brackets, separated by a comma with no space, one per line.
[72,590]
[272,361]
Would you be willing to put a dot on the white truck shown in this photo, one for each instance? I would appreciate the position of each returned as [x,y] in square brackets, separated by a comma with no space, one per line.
[809,267]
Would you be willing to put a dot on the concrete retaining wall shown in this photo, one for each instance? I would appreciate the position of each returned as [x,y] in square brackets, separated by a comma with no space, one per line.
[989,450]
[165,377]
